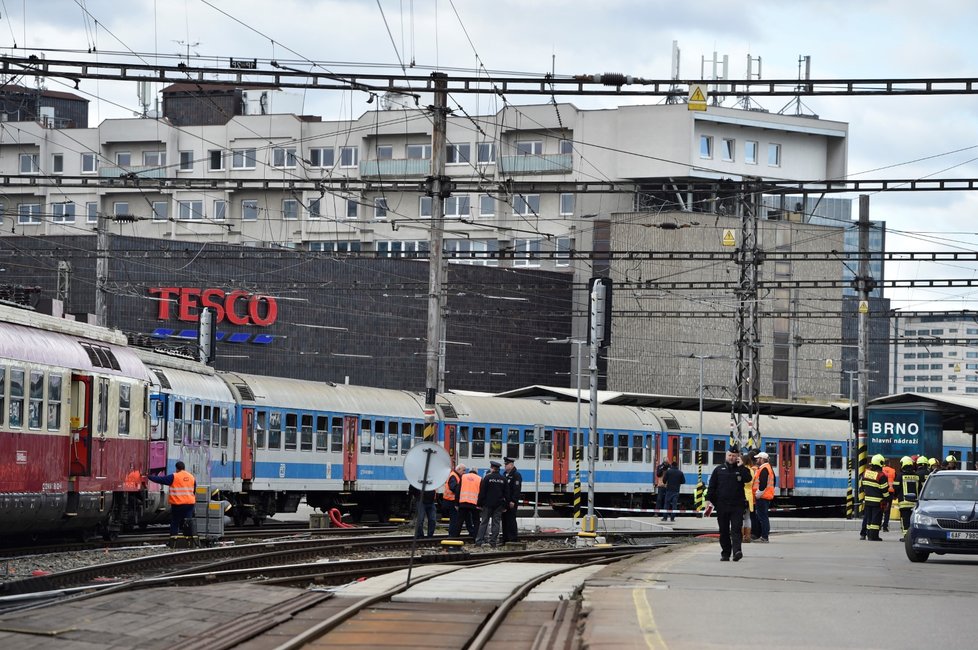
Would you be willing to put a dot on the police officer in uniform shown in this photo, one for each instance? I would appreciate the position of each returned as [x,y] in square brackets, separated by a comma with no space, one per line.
[492,501]
[875,488]
[907,488]
[514,490]
[726,493]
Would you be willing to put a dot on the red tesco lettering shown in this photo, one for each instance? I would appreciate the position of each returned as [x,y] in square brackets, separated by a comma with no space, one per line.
[237,307]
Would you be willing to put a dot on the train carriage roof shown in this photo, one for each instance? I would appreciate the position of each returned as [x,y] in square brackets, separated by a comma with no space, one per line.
[777,426]
[502,410]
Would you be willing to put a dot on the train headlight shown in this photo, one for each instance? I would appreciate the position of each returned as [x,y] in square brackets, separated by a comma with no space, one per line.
[923,520]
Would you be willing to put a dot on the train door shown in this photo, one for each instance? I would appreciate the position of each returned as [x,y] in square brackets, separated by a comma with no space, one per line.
[158,430]
[80,447]
[561,458]
[786,466]
[672,454]
[351,428]
[247,444]
[101,428]
[451,443]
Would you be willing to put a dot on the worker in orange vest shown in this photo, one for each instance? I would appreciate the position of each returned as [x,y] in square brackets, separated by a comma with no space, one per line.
[449,499]
[763,495]
[888,497]
[181,498]
[468,502]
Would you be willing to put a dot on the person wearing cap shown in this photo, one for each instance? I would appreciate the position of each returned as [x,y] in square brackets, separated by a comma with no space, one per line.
[514,491]
[726,494]
[450,497]
[763,495]
[492,502]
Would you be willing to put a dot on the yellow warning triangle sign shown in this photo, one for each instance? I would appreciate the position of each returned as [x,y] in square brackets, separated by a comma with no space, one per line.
[729,239]
[697,95]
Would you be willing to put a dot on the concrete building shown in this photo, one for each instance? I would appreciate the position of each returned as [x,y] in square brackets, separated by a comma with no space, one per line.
[925,362]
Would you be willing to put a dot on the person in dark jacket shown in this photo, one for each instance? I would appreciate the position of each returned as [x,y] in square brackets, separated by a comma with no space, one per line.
[673,478]
[726,494]
[514,491]
[424,510]
[492,501]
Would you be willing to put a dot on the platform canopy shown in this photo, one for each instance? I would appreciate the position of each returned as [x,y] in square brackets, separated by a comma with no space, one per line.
[958,412]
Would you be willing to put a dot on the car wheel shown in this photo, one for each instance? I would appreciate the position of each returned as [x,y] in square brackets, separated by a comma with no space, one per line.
[912,555]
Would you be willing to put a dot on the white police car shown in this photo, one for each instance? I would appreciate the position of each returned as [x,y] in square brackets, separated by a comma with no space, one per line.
[945,519]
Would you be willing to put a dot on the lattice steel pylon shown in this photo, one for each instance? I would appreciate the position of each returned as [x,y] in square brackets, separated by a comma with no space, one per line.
[746,390]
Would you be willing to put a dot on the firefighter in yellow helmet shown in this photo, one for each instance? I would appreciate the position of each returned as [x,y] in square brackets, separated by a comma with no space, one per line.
[951,462]
[875,487]
[907,486]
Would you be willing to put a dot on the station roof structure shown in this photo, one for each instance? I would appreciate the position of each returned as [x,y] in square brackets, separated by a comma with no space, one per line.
[958,412]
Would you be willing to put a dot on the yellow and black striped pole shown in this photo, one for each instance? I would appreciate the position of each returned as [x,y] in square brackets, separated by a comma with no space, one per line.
[862,464]
[577,485]
[699,496]
[849,493]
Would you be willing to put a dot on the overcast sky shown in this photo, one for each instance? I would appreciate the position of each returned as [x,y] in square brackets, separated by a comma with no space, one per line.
[913,137]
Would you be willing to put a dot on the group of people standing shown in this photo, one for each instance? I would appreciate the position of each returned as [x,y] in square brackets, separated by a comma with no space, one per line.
[482,505]
[882,484]
[741,494]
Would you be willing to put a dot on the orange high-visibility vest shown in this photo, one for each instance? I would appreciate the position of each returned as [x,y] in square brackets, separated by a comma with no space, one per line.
[182,489]
[890,477]
[768,493]
[470,489]
[448,494]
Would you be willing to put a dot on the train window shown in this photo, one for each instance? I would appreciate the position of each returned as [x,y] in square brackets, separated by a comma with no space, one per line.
[463,442]
[54,401]
[291,431]
[820,456]
[608,449]
[772,453]
[366,431]
[495,442]
[649,449]
[336,436]
[103,406]
[686,446]
[804,455]
[405,437]
[478,442]
[719,451]
[305,443]
[3,395]
[322,433]
[380,429]
[175,430]
[125,407]
[530,444]
[198,424]
[392,432]
[836,459]
[547,445]
[513,443]
[261,429]
[216,427]
[35,406]
[185,432]
[622,448]
[637,449]
[274,430]
[205,427]
[418,432]
[17,397]
[225,426]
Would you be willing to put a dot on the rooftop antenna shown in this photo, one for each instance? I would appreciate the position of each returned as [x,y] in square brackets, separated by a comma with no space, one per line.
[804,74]
[745,101]
[716,75]
[675,96]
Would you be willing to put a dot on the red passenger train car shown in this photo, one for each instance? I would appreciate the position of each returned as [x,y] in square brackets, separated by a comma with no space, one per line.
[73,426]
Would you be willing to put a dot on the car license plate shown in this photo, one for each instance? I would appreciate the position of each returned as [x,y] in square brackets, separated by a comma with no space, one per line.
[957,534]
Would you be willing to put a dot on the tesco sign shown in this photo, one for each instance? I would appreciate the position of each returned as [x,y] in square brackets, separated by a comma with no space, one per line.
[235,307]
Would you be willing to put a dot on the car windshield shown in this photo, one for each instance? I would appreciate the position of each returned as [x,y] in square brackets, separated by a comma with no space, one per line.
[945,487]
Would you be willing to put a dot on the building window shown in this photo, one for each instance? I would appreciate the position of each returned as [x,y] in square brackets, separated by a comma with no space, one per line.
[161,210]
[314,211]
[456,206]
[566,146]
[283,157]
[352,208]
[385,152]
[154,158]
[706,146]
[526,204]
[290,209]
[215,160]
[750,152]
[487,153]
[457,154]
[424,208]
[380,208]
[89,163]
[727,149]
[401,248]
[190,210]
[28,163]
[563,247]
[123,159]
[186,161]
[335,246]
[529,147]
[419,152]
[774,155]
[466,251]
[220,210]
[487,206]
[249,210]
[349,156]
[91,212]
[524,250]
[63,212]
[321,157]
[243,159]
[121,209]
[566,204]
[57,163]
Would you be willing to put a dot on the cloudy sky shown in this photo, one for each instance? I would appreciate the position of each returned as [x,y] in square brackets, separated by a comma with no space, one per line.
[913,137]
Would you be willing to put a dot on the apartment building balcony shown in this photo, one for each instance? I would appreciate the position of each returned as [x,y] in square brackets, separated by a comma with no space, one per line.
[135,171]
[557,163]
[395,168]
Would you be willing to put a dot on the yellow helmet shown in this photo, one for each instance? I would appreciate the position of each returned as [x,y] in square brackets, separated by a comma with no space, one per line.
[951,459]
[921,460]
[906,460]
[878,459]
[932,461]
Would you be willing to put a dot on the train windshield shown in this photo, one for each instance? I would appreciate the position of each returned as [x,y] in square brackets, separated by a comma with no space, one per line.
[949,487]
